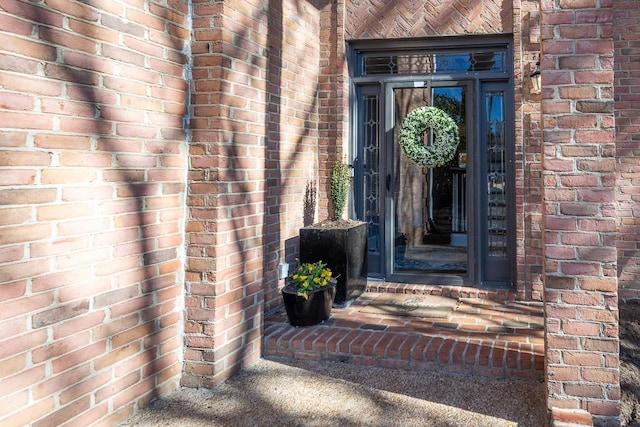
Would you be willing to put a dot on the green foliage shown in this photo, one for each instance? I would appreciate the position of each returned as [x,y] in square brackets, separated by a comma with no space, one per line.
[450,105]
[340,178]
[310,276]
[455,109]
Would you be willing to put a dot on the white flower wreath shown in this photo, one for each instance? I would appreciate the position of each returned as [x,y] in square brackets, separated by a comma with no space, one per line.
[445,143]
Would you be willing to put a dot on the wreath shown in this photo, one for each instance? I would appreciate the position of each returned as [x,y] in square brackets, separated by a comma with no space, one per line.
[445,143]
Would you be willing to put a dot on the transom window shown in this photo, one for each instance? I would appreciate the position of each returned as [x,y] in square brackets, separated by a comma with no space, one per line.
[434,63]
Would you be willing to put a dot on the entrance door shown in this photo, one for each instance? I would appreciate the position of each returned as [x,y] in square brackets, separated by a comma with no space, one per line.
[430,237]
[453,224]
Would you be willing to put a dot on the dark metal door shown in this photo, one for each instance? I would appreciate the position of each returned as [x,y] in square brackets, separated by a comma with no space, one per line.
[429,238]
[453,224]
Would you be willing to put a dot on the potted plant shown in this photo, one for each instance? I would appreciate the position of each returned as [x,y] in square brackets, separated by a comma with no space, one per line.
[341,243]
[308,296]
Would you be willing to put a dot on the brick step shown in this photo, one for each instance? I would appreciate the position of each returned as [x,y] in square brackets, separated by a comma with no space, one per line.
[498,295]
[488,334]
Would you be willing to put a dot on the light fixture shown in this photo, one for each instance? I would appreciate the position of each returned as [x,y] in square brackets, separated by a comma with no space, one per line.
[536,79]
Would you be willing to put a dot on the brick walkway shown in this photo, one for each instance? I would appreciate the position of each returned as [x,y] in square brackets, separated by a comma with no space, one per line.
[487,334]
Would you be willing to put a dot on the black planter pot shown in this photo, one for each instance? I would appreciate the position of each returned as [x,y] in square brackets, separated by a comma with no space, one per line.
[311,311]
[344,250]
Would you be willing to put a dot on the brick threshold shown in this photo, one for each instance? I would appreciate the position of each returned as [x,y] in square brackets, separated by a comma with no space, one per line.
[488,334]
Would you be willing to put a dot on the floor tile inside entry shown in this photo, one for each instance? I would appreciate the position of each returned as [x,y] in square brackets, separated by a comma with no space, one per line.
[457,329]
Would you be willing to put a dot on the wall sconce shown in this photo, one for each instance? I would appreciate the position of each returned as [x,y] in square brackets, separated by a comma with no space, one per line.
[536,79]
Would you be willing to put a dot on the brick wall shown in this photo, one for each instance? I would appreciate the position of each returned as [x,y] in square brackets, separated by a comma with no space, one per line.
[333,99]
[579,206]
[92,182]
[528,154]
[94,170]
[254,150]
[627,66]
[414,18]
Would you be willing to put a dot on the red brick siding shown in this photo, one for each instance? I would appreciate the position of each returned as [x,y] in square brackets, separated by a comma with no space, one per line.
[528,154]
[92,177]
[333,101]
[627,66]
[92,182]
[579,208]
[372,19]
[255,148]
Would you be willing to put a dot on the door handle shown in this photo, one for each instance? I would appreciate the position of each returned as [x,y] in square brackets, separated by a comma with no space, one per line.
[389,182]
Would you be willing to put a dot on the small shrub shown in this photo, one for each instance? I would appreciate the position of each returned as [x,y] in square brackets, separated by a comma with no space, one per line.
[340,177]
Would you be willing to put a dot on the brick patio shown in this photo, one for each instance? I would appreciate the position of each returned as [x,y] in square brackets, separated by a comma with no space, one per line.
[489,334]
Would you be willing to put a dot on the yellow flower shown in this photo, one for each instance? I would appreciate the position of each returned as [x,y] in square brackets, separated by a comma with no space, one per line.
[310,276]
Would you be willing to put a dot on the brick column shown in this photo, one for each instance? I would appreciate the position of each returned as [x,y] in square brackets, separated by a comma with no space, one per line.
[579,206]
[256,96]
[224,295]
[627,66]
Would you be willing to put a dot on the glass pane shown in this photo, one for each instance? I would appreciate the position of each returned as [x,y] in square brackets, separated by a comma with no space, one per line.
[435,62]
[496,176]
[430,203]
[371,173]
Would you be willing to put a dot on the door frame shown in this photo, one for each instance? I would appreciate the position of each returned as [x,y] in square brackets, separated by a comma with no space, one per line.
[506,269]
[388,144]
[360,49]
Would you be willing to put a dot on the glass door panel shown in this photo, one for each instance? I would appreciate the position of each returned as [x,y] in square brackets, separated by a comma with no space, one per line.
[447,225]
[496,212]
[367,174]
[430,225]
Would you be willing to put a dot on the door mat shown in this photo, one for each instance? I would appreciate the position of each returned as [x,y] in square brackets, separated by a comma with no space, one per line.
[444,253]
[431,306]
[430,257]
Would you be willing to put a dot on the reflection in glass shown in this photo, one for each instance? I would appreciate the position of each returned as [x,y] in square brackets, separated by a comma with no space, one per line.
[435,62]
[496,176]
[430,203]
[371,154]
